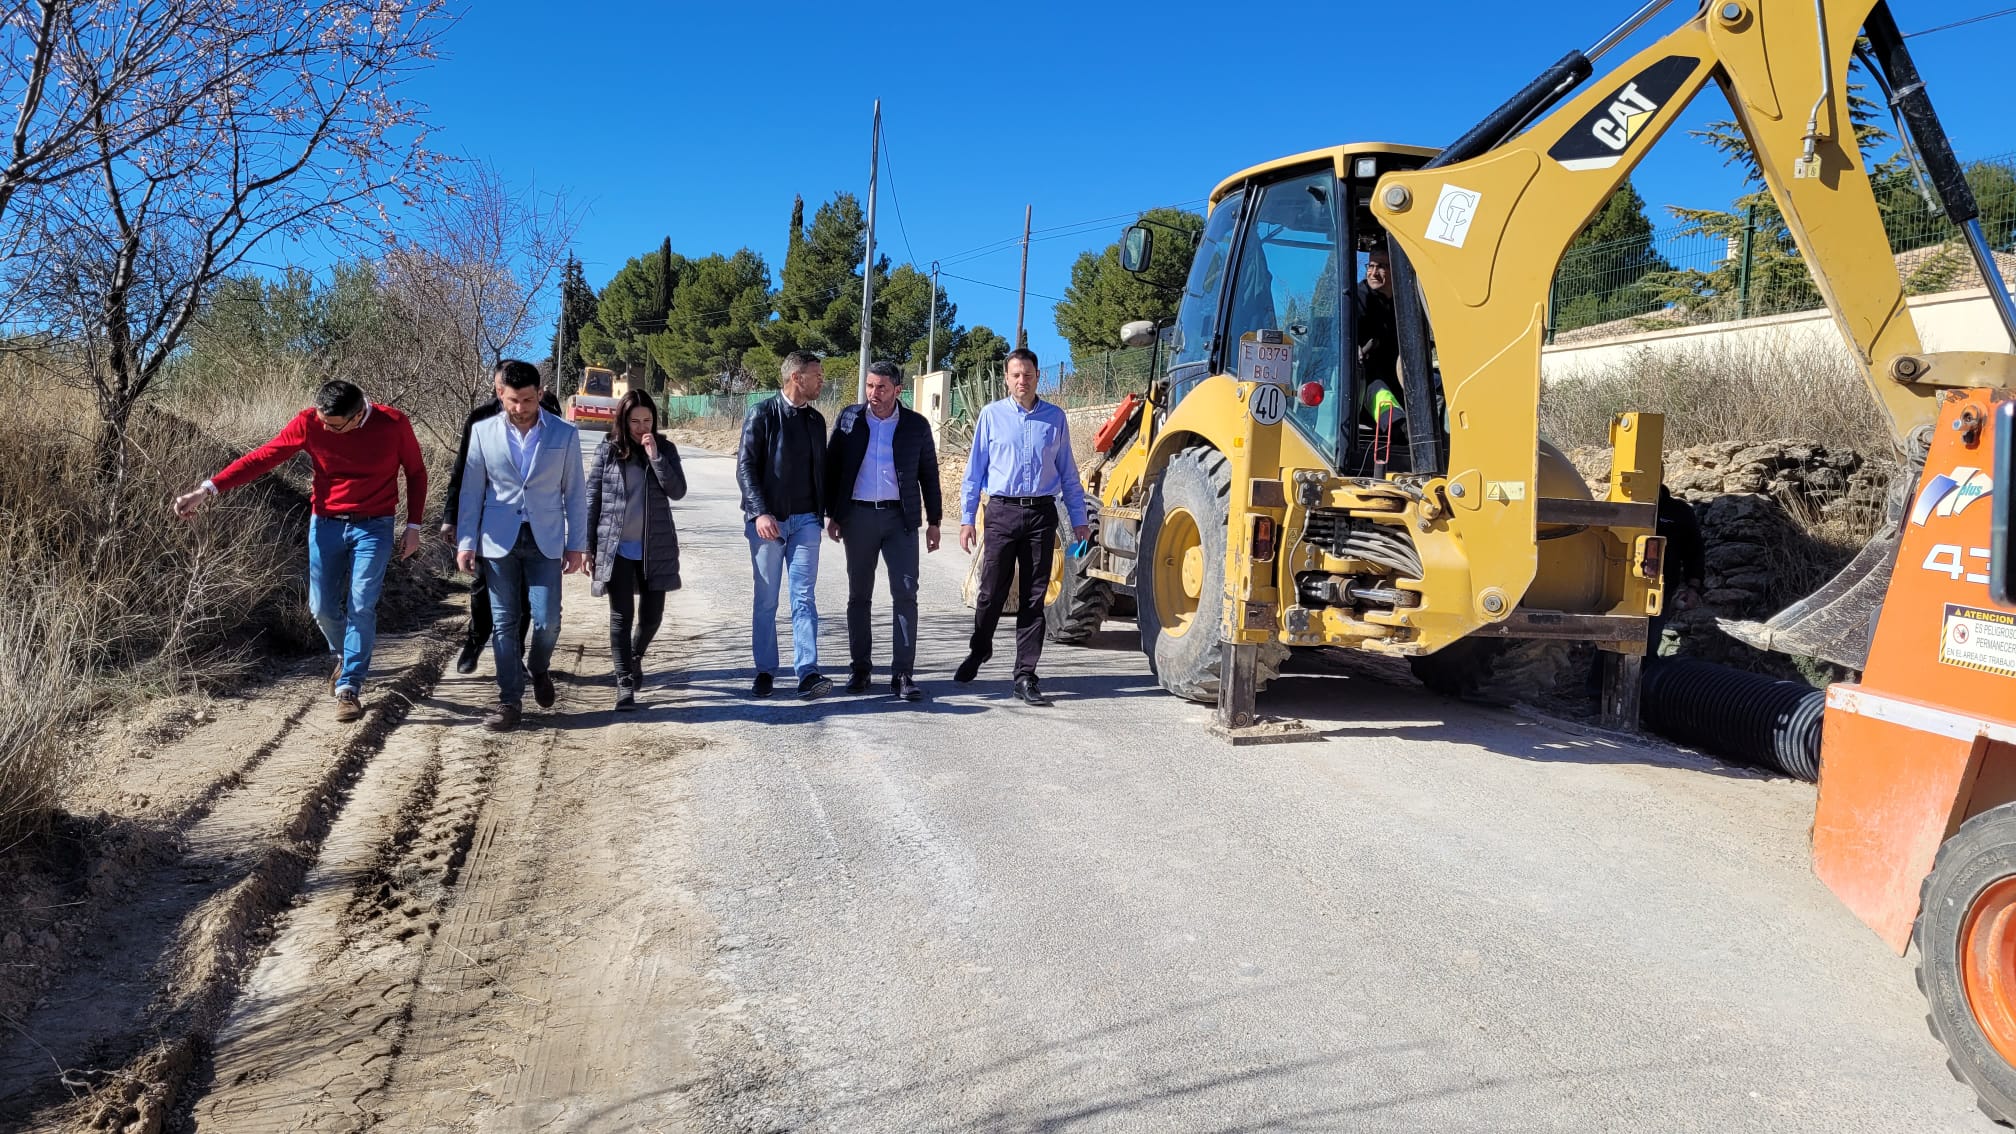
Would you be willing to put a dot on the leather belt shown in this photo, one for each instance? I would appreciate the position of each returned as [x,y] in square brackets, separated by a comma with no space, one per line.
[1026,501]
[878,504]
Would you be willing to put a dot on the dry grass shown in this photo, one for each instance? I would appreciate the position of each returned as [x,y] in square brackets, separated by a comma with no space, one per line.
[41,691]
[106,597]
[1724,392]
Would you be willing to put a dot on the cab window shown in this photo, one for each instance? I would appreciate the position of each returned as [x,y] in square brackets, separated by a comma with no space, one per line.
[1290,279]
[1197,318]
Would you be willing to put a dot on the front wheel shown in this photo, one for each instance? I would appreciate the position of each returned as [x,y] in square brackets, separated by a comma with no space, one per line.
[1077,603]
[1179,583]
[1966,938]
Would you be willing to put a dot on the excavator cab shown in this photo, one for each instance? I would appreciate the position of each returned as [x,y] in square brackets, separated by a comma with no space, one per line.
[1282,251]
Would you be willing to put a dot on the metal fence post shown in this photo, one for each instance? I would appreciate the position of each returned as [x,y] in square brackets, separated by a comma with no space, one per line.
[1743,266]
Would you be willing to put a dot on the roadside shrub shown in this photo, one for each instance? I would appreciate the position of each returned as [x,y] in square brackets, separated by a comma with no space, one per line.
[41,691]
[1723,392]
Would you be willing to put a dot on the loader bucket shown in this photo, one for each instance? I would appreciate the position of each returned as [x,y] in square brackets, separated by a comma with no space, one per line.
[1836,622]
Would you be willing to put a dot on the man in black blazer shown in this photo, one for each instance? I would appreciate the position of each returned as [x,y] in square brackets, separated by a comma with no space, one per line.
[881,483]
[477,638]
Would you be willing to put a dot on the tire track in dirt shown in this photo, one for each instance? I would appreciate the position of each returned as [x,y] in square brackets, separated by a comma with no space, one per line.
[130,1027]
[325,1012]
[558,994]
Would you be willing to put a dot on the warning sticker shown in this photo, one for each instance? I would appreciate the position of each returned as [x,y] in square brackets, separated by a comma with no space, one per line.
[1979,639]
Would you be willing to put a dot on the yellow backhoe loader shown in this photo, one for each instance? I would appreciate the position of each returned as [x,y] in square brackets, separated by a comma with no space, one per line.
[1278,486]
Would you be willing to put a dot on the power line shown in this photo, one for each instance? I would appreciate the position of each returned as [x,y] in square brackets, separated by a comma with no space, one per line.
[1056,232]
[895,200]
[996,286]
[1963,23]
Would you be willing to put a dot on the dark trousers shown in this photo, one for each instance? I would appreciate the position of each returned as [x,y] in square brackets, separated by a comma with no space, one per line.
[634,613]
[1016,536]
[879,533]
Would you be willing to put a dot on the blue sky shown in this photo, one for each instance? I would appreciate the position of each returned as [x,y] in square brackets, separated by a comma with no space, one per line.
[700,121]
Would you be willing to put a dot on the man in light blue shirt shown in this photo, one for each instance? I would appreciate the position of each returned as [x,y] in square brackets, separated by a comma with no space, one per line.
[1022,460]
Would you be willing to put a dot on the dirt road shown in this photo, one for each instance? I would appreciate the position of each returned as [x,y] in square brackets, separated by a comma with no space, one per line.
[971,915]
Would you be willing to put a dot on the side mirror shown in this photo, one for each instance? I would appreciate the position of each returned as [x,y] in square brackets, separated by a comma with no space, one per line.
[1139,333]
[1136,247]
[2002,498]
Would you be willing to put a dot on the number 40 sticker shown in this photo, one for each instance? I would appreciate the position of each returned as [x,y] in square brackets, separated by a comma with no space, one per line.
[1268,404]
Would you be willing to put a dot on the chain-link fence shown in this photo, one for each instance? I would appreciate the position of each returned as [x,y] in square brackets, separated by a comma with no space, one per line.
[1719,266]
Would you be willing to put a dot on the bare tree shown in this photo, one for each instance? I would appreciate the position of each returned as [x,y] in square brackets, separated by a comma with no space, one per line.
[470,279]
[301,130]
[85,76]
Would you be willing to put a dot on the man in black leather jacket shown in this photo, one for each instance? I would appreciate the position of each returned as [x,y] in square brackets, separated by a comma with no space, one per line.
[477,638]
[781,467]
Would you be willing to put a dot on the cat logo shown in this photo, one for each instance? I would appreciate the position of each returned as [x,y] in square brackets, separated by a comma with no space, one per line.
[1600,139]
[1628,115]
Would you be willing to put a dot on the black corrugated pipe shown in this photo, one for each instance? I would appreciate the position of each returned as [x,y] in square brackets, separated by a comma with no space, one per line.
[1740,716]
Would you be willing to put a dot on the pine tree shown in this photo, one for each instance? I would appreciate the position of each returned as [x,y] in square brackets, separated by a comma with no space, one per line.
[1602,275]
[1103,295]
[1777,278]
[819,296]
[577,310]
[632,310]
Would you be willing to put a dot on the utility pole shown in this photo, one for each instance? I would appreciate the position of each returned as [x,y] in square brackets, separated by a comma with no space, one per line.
[931,336]
[868,268]
[1022,292]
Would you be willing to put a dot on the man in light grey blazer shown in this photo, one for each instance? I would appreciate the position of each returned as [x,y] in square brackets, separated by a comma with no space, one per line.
[524,509]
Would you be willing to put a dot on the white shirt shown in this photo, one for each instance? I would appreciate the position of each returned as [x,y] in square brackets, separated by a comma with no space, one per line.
[524,445]
[877,478]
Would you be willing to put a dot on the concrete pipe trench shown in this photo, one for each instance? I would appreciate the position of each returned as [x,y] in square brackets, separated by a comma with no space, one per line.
[1746,717]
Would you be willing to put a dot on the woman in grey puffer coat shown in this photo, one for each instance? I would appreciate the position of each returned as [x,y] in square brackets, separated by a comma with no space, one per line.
[635,554]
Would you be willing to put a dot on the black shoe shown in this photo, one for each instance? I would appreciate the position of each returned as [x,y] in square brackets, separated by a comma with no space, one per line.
[626,696]
[465,662]
[905,689]
[813,686]
[859,682]
[970,668]
[764,684]
[503,718]
[636,673]
[542,689]
[1027,693]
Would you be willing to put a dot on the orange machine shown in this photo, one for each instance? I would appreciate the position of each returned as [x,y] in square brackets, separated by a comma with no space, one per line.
[1916,825]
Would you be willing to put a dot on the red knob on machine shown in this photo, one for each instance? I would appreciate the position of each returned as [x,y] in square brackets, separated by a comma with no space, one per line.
[1312,394]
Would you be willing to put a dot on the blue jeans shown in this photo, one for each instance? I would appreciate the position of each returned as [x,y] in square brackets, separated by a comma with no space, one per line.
[798,555]
[346,572]
[525,567]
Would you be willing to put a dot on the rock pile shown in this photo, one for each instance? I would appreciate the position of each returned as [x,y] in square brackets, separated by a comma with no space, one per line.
[1778,519]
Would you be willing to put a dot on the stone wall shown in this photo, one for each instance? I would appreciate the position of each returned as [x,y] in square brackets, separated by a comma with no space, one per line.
[1778,519]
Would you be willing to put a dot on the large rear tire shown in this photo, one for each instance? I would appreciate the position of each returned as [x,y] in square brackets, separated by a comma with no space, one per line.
[1966,938]
[1179,582]
[1078,602]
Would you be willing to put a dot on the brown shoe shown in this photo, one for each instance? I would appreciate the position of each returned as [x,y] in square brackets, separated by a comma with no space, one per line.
[348,707]
[503,718]
[542,689]
[335,675]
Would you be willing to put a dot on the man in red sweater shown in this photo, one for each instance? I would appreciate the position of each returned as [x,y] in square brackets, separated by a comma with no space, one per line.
[358,450]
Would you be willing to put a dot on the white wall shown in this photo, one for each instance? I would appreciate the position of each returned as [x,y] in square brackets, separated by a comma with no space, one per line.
[1954,320]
